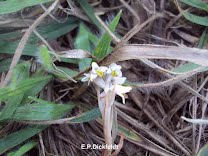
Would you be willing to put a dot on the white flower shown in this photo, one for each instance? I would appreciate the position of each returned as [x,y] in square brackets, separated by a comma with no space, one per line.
[88,77]
[99,71]
[114,70]
[119,80]
[121,91]
[100,82]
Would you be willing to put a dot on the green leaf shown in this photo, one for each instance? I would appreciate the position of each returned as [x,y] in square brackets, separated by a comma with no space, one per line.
[49,32]
[90,12]
[8,47]
[103,46]
[10,106]
[185,68]
[82,42]
[196,19]
[44,110]
[128,133]
[21,87]
[18,137]
[196,3]
[68,71]
[5,64]
[203,151]
[20,73]
[203,39]
[53,30]
[24,149]
[10,6]
[34,91]
[87,116]
[45,58]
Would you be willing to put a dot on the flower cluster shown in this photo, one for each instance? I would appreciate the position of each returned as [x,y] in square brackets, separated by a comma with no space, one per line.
[108,78]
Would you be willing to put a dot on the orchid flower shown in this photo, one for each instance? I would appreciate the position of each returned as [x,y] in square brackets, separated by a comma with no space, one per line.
[99,71]
[114,70]
[110,81]
[88,77]
[121,91]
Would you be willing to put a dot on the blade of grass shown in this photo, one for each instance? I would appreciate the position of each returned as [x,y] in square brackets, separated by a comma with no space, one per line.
[103,46]
[89,11]
[18,137]
[5,63]
[45,58]
[196,3]
[10,6]
[20,73]
[21,87]
[203,151]
[82,42]
[23,149]
[41,111]
[87,116]
[196,19]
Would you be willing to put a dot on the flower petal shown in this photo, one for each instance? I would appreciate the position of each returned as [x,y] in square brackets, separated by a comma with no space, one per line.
[92,76]
[100,82]
[103,68]
[122,89]
[86,77]
[95,65]
[119,80]
[122,96]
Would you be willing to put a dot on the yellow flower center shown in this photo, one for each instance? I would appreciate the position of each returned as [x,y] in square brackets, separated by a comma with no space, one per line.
[114,74]
[100,73]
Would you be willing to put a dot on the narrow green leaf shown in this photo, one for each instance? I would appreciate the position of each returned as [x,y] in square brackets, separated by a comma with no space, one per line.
[196,19]
[203,39]
[82,42]
[34,91]
[10,6]
[128,133]
[20,73]
[49,32]
[5,64]
[203,151]
[10,106]
[87,116]
[90,12]
[196,3]
[68,71]
[21,87]
[54,30]
[45,58]
[8,47]
[185,68]
[41,111]
[103,46]
[18,137]
[23,149]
